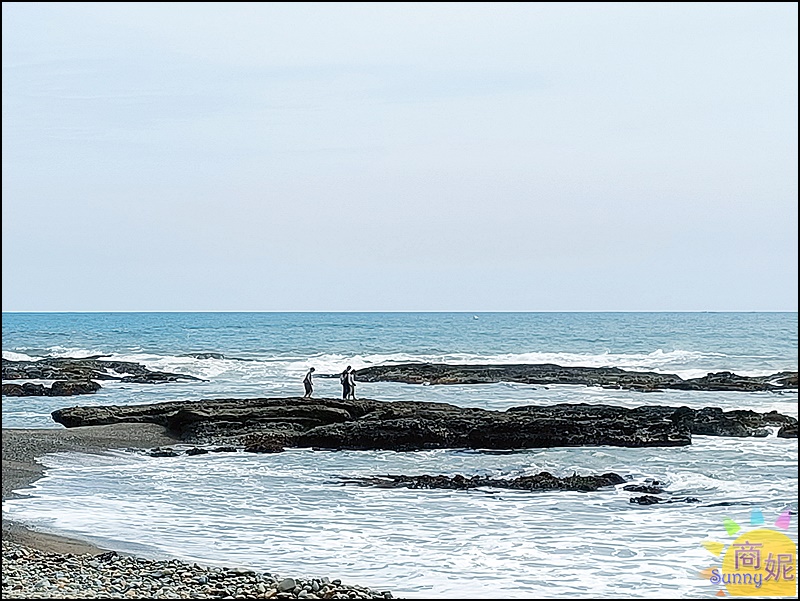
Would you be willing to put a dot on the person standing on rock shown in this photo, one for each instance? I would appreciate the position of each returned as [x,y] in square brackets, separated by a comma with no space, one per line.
[345,380]
[351,385]
[309,385]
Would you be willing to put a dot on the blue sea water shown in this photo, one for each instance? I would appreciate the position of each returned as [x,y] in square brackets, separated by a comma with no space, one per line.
[289,513]
[268,353]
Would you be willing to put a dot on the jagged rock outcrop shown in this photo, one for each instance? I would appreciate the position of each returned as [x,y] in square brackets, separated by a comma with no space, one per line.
[606,377]
[77,376]
[368,424]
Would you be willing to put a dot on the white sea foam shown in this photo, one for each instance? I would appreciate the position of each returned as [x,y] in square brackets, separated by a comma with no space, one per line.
[72,352]
[686,364]
[237,509]
[12,356]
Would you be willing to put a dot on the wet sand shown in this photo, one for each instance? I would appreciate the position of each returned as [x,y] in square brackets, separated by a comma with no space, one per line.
[20,469]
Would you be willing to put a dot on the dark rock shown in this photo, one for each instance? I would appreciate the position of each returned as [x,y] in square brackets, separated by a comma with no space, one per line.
[607,377]
[651,500]
[58,388]
[77,376]
[712,421]
[368,424]
[650,490]
[726,380]
[155,377]
[263,444]
[286,584]
[12,390]
[27,389]
[30,389]
[197,451]
[73,387]
[541,481]
[645,500]
[788,431]
[158,452]
[224,450]
[204,355]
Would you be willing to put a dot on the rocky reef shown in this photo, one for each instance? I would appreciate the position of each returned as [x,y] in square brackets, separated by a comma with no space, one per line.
[77,376]
[545,373]
[269,424]
[540,481]
[543,481]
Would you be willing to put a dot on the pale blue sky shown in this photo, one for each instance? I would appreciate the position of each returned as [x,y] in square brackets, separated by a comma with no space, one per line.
[476,157]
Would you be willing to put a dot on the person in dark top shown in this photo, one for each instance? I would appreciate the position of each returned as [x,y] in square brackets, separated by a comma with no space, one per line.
[308,384]
[345,380]
[351,384]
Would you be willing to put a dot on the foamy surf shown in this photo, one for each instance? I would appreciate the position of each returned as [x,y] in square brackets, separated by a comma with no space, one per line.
[679,362]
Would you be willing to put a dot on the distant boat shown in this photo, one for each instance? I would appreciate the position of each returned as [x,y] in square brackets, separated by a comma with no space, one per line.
[474,317]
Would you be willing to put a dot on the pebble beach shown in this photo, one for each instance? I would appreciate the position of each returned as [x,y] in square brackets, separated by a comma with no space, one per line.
[33,574]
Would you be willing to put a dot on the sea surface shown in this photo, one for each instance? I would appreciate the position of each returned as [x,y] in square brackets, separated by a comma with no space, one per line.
[292,514]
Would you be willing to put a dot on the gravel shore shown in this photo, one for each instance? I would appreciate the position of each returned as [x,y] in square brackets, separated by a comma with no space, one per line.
[33,574]
[39,565]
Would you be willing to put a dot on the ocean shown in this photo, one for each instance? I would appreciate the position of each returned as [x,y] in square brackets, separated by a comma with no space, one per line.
[289,513]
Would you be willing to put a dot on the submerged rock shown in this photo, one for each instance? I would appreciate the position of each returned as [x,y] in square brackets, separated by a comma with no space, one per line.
[204,355]
[652,500]
[159,452]
[541,481]
[226,449]
[645,488]
[645,500]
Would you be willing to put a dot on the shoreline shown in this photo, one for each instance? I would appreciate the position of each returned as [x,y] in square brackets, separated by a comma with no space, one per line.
[52,566]
[22,447]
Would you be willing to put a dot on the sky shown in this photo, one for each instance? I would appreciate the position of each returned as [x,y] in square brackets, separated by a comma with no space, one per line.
[399,156]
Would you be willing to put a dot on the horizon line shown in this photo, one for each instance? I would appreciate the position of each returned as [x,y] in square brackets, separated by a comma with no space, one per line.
[476,311]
